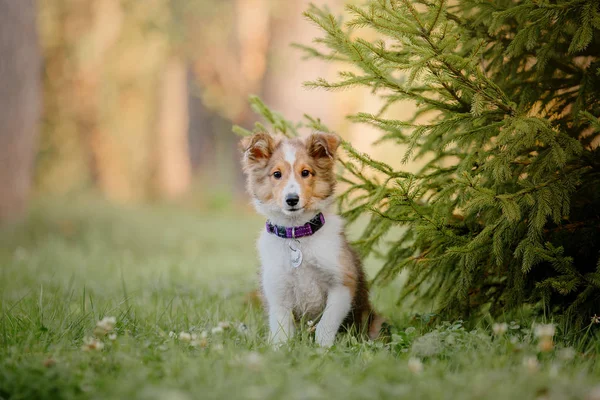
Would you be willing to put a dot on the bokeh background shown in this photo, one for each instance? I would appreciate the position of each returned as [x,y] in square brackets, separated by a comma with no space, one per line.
[116,137]
[138,97]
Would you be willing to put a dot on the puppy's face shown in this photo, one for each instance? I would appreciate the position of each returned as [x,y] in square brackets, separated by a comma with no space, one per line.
[289,177]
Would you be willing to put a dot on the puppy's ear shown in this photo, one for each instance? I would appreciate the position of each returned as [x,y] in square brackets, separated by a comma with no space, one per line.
[320,145]
[257,147]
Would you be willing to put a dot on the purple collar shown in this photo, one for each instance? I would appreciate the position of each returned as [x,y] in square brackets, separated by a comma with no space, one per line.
[294,232]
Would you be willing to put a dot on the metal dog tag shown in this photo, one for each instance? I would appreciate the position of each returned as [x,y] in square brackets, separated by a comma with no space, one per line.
[295,254]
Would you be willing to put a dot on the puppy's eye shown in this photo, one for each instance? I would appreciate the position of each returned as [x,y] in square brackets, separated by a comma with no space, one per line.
[305,173]
[277,175]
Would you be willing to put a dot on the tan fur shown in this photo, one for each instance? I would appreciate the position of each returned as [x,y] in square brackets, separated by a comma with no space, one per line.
[362,316]
[376,326]
[349,272]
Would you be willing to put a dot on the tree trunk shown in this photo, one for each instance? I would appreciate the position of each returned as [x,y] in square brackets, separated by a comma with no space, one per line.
[19,103]
[173,169]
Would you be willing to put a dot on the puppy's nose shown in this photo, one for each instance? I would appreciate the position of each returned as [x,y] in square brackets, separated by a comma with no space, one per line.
[292,199]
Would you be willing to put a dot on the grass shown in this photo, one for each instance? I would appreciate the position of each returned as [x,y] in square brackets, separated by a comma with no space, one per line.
[160,270]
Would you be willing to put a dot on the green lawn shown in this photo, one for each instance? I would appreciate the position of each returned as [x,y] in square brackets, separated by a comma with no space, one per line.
[160,270]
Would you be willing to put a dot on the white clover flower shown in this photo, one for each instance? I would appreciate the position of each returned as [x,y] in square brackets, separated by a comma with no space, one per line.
[500,329]
[203,335]
[172,335]
[544,330]
[415,365]
[185,337]
[216,330]
[112,336]
[91,343]
[310,322]
[566,354]
[531,363]
[224,325]
[253,360]
[242,328]
[107,323]
[104,326]
[202,342]
[218,347]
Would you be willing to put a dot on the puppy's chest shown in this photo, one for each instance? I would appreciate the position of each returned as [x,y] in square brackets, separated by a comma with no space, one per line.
[306,285]
[307,290]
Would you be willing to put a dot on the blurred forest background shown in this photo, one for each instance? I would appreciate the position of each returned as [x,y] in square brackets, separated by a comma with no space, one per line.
[136,99]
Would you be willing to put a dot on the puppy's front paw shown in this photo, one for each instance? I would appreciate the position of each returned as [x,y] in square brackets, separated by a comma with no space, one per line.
[324,337]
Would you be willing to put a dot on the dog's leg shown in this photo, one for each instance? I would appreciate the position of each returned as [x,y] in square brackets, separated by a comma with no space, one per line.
[281,320]
[339,302]
[281,324]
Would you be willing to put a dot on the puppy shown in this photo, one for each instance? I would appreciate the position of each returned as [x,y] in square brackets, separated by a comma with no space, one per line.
[308,269]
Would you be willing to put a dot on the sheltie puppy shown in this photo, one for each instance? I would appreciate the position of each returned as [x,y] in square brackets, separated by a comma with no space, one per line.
[308,269]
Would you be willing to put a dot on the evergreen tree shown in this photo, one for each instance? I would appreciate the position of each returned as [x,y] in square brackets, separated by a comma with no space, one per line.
[506,210]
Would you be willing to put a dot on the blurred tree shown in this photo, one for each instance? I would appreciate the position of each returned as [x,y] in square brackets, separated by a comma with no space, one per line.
[118,92]
[230,52]
[19,103]
[109,66]
[173,168]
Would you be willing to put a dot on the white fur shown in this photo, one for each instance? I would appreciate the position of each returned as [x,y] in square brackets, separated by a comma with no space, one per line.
[314,289]
[291,186]
[339,302]
[289,154]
